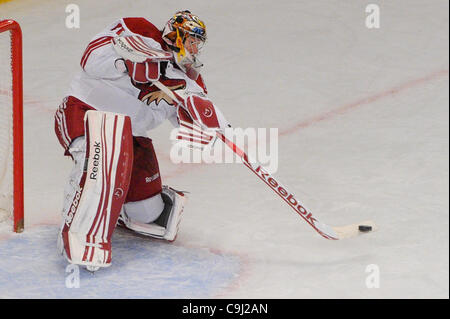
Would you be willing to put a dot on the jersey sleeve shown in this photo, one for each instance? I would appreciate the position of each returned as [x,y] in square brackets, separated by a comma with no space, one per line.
[99,57]
[144,28]
[201,83]
[99,60]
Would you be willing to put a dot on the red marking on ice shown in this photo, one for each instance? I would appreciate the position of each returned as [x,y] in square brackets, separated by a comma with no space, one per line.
[240,278]
[333,113]
[363,101]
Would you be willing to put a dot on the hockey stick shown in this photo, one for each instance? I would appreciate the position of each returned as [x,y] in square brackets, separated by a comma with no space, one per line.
[326,231]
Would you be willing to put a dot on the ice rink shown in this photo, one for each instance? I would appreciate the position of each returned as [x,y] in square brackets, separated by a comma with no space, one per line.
[362,116]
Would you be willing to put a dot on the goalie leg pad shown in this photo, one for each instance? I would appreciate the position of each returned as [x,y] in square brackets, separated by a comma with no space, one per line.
[91,215]
[69,121]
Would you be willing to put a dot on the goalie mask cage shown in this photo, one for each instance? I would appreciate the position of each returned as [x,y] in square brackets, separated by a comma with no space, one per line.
[11,127]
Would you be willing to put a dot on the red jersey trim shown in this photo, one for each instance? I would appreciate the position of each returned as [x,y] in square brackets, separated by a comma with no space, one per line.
[93,46]
[145,28]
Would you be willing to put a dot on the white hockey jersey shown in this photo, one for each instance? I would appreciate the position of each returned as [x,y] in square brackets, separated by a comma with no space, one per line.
[106,88]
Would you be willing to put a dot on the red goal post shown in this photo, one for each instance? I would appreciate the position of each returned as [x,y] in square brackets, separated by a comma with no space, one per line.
[15,62]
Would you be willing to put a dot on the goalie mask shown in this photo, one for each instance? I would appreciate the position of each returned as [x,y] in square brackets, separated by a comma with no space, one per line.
[185,35]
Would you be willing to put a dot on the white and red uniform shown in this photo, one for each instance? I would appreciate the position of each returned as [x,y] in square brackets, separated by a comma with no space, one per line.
[102,124]
[101,86]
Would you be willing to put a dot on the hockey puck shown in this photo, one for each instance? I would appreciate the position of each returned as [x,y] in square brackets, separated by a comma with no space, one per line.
[364,228]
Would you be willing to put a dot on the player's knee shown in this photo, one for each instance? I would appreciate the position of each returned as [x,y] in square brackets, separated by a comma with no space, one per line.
[145,211]
[166,224]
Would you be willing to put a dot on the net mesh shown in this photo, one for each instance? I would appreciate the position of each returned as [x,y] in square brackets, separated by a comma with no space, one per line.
[6,122]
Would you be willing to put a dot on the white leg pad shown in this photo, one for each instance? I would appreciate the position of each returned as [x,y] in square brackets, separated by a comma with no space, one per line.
[98,187]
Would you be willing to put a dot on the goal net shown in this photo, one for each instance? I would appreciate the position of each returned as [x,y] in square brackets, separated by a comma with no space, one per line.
[11,146]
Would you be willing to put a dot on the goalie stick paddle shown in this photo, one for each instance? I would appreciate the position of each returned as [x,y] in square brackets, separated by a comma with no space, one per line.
[326,231]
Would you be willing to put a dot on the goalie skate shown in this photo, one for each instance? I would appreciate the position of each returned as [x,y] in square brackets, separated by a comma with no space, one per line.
[167,224]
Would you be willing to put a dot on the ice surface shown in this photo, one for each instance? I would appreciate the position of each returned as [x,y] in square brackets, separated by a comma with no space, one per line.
[143,268]
[363,121]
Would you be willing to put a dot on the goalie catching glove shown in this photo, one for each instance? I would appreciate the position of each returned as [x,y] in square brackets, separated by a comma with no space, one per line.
[141,62]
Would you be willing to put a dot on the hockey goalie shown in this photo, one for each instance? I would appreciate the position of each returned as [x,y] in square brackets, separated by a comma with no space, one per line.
[103,122]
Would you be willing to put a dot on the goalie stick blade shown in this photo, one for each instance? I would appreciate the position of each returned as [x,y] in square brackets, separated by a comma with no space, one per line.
[353,230]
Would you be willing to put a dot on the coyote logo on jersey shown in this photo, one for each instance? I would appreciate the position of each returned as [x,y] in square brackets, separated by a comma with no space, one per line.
[150,93]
